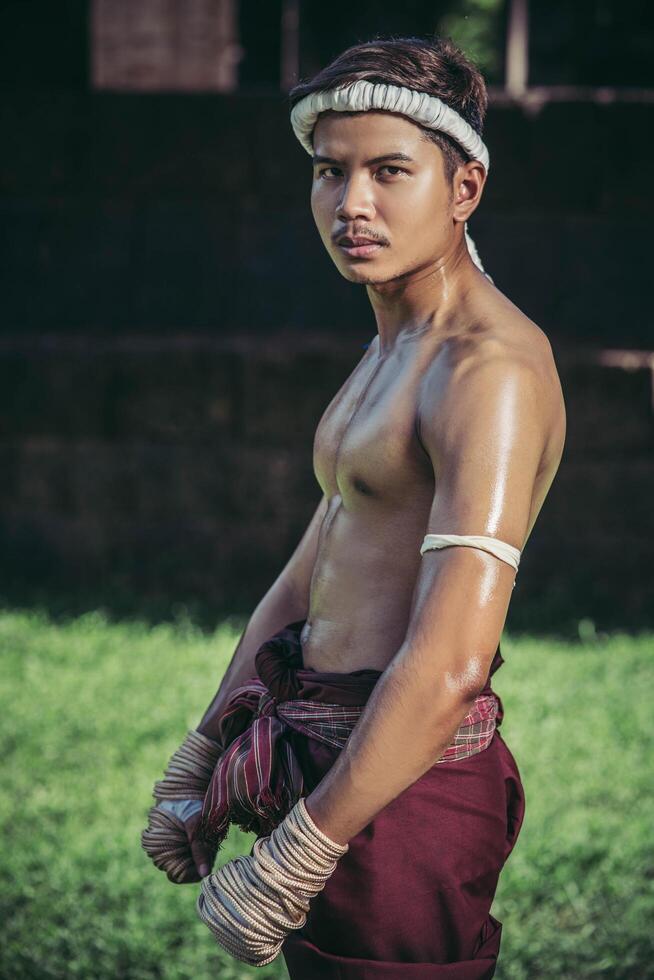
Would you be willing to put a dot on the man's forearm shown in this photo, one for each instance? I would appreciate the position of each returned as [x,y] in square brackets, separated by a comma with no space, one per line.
[408,722]
[280,606]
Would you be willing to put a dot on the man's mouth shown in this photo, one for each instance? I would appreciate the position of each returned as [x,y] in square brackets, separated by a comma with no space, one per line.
[359,246]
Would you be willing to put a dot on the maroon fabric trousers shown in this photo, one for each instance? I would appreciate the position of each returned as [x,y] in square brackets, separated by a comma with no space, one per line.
[411,897]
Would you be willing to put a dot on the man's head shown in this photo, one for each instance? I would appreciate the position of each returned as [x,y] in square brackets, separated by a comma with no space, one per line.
[414,208]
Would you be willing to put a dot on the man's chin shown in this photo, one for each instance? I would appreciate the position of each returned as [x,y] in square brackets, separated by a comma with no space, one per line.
[366,276]
[364,273]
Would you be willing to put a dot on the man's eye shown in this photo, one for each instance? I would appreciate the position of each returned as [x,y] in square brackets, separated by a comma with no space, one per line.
[336,172]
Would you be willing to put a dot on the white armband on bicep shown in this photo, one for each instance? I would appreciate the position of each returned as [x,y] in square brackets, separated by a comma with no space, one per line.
[500,549]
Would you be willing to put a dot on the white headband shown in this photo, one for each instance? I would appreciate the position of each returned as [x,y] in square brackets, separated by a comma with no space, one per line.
[425,109]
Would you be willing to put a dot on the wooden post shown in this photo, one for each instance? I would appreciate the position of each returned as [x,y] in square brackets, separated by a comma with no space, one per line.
[290,44]
[517,49]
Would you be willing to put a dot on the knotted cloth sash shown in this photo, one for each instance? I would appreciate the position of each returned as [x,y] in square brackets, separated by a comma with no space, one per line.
[258,778]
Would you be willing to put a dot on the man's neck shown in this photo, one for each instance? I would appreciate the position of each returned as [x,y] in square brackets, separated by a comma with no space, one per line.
[423,301]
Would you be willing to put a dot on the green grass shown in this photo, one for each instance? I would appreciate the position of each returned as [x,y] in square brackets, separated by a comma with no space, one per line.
[91,711]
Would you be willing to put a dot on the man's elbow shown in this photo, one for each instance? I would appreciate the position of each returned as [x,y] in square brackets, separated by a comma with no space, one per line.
[456,677]
[465,678]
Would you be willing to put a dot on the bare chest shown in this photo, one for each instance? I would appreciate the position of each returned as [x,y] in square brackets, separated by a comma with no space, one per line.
[365,445]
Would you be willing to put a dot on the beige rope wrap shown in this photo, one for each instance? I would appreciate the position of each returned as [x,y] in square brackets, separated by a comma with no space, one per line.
[186,777]
[251,903]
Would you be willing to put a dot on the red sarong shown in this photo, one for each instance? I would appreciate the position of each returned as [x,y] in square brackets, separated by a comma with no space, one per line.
[411,897]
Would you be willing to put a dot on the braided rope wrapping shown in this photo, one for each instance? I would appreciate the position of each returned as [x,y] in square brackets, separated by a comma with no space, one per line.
[186,777]
[362,95]
[252,903]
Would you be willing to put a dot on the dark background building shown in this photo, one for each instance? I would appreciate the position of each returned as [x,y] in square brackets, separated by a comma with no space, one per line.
[172,329]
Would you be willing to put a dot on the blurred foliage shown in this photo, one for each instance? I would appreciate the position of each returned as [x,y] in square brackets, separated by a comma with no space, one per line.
[477,26]
[92,710]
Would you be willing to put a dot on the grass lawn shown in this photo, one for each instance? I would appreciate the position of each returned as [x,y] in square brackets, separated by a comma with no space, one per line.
[91,710]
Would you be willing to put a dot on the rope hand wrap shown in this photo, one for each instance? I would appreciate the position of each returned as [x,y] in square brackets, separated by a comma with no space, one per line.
[187,775]
[252,903]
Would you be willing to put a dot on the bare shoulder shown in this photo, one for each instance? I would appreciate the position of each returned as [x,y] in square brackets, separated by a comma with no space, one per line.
[519,347]
[499,359]
[501,334]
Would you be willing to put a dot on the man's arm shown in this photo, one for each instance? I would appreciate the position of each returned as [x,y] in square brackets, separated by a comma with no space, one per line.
[286,601]
[485,439]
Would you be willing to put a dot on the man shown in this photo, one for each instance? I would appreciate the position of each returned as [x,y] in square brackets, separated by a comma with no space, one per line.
[366,752]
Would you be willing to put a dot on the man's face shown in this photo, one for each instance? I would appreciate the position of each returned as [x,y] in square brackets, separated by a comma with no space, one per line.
[376,176]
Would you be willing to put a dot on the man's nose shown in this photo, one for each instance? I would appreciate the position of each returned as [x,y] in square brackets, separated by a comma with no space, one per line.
[356,201]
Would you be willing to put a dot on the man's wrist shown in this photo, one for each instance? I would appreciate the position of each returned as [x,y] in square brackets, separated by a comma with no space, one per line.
[325,824]
[251,903]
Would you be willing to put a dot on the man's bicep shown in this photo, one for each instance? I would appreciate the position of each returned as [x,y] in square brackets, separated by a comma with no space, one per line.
[486,444]
[485,448]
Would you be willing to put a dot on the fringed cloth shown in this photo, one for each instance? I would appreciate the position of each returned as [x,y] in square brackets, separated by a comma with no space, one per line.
[259,777]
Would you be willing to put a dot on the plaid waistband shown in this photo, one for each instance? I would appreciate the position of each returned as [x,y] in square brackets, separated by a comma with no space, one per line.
[258,779]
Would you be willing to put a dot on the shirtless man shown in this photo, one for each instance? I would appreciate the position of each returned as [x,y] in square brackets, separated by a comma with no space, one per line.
[452,422]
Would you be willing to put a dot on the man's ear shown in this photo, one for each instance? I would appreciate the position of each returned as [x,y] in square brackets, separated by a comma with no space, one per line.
[468,187]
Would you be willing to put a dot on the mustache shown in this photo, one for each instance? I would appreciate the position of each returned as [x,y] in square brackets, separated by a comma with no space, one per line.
[361,233]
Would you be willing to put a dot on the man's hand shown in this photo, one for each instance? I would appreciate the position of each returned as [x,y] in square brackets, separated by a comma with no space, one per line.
[252,903]
[203,855]
[172,839]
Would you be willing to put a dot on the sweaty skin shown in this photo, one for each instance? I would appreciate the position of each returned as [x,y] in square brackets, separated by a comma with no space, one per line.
[453,421]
